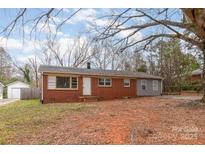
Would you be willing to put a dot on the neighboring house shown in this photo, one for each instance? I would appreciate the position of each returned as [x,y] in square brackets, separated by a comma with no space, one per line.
[14,89]
[1,90]
[65,84]
[196,75]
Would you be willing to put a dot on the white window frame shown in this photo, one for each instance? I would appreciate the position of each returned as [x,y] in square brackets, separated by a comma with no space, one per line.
[104,82]
[155,85]
[126,81]
[52,81]
[143,83]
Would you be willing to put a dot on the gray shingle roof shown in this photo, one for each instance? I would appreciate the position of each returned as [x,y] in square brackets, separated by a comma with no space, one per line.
[85,71]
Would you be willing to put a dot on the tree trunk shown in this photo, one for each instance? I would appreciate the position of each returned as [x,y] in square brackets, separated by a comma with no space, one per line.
[203,78]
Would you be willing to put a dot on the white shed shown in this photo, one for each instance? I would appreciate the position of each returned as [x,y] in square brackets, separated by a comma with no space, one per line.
[14,89]
[1,90]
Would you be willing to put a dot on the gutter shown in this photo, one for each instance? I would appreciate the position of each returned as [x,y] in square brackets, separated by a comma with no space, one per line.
[97,74]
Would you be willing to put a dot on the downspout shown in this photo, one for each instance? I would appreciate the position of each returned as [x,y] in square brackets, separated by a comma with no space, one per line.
[42,87]
[161,86]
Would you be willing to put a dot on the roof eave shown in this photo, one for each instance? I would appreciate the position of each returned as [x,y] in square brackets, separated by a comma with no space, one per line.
[96,74]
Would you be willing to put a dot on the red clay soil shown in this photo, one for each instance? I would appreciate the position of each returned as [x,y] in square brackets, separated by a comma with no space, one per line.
[148,120]
[190,93]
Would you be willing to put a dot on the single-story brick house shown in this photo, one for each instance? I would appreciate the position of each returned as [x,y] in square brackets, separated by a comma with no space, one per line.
[66,84]
[196,75]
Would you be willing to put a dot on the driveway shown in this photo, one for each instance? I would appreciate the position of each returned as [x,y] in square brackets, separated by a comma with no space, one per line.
[7,101]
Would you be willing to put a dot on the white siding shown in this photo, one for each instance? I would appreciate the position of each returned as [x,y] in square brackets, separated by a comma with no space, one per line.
[155,85]
[149,90]
[14,88]
[51,82]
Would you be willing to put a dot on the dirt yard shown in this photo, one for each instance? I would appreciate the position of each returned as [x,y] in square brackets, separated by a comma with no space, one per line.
[146,120]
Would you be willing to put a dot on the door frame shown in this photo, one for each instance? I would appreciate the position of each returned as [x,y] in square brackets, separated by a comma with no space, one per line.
[90,86]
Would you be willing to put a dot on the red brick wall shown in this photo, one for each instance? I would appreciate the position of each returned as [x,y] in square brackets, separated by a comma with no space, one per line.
[195,77]
[50,96]
[116,91]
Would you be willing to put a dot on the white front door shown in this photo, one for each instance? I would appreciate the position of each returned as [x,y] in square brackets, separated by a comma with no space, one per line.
[86,86]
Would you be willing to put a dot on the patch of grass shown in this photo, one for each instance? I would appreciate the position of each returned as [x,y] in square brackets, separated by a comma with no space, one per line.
[27,117]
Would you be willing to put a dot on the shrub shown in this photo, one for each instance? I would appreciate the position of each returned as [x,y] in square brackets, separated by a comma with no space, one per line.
[192,87]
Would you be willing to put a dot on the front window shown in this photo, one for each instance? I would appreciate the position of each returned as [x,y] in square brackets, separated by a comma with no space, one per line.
[126,83]
[143,84]
[66,82]
[62,82]
[104,82]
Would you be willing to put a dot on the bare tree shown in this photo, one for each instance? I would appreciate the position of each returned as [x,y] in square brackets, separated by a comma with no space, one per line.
[189,27]
[54,48]
[25,71]
[73,53]
[81,52]
[46,17]
[43,54]
[108,56]
[102,57]
[34,67]
[5,65]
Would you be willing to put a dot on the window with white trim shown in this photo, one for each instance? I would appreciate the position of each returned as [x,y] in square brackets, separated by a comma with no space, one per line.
[143,84]
[126,82]
[155,85]
[62,82]
[105,82]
